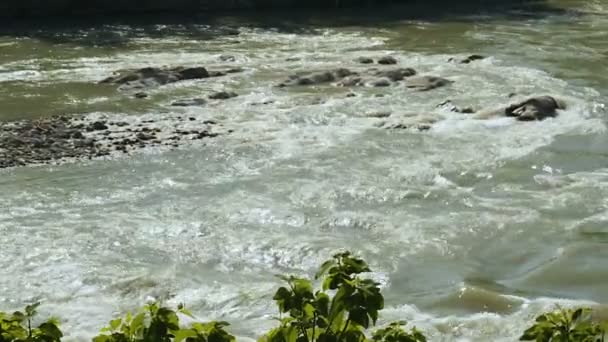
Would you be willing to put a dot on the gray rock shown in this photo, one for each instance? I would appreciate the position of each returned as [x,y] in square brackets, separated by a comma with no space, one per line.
[189,102]
[364,60]
[223,95]
[396,75]
[468,59]
[317,78]
[425,83]
[351,81]
[383,82]
[154,77]
[533,108]
[387,60]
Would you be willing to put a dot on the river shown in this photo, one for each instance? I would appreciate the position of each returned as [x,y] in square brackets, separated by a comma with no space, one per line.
[473,227]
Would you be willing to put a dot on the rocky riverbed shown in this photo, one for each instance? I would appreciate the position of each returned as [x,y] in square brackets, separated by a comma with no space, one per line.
[64,138]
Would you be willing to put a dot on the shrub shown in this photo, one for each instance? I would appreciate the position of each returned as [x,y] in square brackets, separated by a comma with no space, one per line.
[154,323]
[344,316]
[17,327]
[565,325]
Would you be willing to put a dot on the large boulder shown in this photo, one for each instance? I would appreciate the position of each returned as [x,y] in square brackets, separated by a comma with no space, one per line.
[533,108]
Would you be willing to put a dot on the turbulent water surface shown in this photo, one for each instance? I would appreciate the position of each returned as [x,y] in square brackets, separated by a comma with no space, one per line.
[472,227]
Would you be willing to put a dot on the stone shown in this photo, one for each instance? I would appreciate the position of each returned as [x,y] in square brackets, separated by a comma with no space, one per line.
[468,59]
[140,95]
[364,60]
[317,78]
[387,60]
[425,83]
[535,108]
[152,77]
[189,102]
[227,58]
[223,95]
[383,82]
[351,81]
[530,109]
[396,75]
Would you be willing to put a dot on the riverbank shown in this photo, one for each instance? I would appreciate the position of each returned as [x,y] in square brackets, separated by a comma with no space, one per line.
[70,7]
[73,8]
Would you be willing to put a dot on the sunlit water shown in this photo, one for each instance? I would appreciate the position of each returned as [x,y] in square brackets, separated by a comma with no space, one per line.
[472,228]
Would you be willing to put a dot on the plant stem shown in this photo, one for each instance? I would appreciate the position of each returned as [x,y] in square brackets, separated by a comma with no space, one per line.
[314,325]
[344,330]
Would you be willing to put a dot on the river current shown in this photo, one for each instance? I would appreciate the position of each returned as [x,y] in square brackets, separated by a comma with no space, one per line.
[473,227]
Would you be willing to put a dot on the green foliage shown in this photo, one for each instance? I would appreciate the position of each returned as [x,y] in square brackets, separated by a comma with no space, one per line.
[342,309]
[345,316]
[565,325]
[394,332]
[154,323]
[17,327]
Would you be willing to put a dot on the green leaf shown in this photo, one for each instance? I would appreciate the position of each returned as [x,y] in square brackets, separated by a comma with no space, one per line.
[303,288]
[30,310]
[324,268]
[115,324]
[183,334]
[359,316]
[51,330]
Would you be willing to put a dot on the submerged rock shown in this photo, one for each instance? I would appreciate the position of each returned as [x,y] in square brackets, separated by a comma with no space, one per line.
[189,102]
[364,60]
[223,95]
[468,59]
[425,83]
[396,75]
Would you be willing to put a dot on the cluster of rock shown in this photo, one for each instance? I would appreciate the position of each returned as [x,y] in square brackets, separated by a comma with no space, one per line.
[374,77]
[71,138]
[143,78]
[79,137]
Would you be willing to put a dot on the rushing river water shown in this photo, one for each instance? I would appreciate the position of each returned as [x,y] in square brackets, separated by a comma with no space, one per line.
[473,227]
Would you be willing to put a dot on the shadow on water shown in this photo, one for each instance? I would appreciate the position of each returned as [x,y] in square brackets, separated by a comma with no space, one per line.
[119,29]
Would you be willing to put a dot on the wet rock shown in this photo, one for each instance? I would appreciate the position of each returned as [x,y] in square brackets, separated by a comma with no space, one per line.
[448,105]
[97,126]
[351,81]
[383,82]
[364,60]
[191,73]
[317,78]
[535,108]
[468,59]
[379,115]
[227,58]
[396,75]
[152,77]
[530,109]
[417,122]
[59,139]
[223,95]
[190,102]
[234,70]
[387,60]
[425,83]
[144,136]
[140,95]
